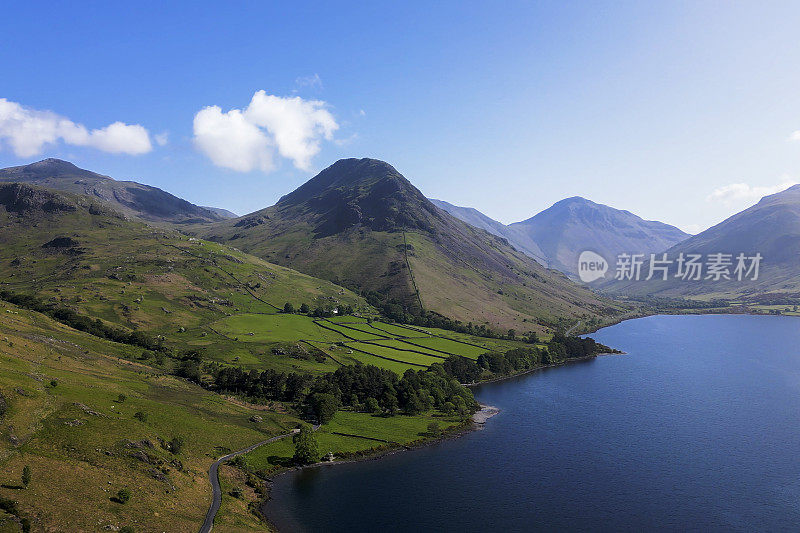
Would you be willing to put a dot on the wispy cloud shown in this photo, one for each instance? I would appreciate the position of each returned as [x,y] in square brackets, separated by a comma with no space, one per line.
[314,81]
[739,193]
[161,138]
[795,136]
[248,139]
[27,131]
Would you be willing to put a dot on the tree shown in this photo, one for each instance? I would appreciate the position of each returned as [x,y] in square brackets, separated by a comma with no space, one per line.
[373,406]
[176,445]
[306,449]
[304,308]
[190,370]
[324,406]
[433,429]
[512,333]
[140,416]
[124,495]
[26,476]
[288,308]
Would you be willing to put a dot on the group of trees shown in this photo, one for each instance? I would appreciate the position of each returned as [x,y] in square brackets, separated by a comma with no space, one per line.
[368,388]
[364,388]
[265,385]
[558,350]
[318,312]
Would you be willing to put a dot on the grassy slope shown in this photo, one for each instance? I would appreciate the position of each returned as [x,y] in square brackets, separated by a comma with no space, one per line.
[78,468]
[158,281]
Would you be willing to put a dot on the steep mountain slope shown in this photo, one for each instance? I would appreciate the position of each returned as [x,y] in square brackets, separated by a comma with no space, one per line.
[771,228]
[516,238]
[360,223]
[130,198]
[574,225]
[75,252]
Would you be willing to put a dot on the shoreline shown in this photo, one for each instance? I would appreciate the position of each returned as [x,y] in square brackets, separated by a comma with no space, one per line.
[544,367]
[477,423]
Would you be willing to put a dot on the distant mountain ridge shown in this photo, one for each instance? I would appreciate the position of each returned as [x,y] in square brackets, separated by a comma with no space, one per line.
[557,236]
[770,228]
[361,224]
[128,197]
[516,238]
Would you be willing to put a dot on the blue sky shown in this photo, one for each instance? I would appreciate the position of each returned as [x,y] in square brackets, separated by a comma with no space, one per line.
[678,111]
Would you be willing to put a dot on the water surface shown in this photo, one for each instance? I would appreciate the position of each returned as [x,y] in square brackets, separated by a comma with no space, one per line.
[696,428]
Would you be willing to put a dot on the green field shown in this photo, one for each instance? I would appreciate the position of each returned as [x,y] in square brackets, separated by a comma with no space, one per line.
[395,430]
[358,332]
[449,346]
[403,346]
[274,328]
[395,349]
[395,330]
[349,320]
[399,355]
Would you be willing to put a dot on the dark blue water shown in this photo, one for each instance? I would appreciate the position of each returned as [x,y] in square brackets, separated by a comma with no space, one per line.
[696,428]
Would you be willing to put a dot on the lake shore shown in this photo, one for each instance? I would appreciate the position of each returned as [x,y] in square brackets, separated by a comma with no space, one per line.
[477,423]
[538,368]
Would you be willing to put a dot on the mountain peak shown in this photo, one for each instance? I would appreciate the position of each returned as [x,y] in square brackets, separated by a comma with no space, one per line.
[52,167]
[342,174]
[366,192]
[52,162]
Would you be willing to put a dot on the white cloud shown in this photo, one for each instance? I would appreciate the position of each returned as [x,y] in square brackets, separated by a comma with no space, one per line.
[739,193]
[27,131]
[162,138]
[230,141]
[246,139]
[795,136]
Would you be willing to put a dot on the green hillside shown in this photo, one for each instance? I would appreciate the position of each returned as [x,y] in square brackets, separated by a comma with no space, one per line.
[75,253]
[71,415]
[361,224]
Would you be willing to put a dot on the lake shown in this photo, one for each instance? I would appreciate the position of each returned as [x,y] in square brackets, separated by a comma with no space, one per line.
[697,427]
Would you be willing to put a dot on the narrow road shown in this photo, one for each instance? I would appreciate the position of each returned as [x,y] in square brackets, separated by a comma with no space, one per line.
[573,328]
[213,476]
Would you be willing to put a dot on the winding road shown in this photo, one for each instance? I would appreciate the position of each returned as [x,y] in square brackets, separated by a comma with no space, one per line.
[213,476]
[573,328]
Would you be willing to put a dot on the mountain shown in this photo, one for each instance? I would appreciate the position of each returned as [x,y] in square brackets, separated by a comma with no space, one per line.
[576,224]
[224,213]
[77,250]
[361,224]
[770,228]
[516,238]
[128,197]
[556,236]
